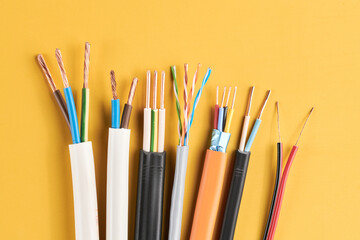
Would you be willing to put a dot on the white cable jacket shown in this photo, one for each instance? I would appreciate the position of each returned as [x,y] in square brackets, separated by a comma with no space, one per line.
[161,137]
[117,184]
[244,133]
[177,195]
[147,129]
[84,190]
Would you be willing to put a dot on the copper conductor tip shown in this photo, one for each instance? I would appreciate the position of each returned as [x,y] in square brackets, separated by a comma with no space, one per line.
[148,82]
[264,103]
[46,71]
[86,65]
[312,109]
[155,90]
[228,97]
[223,97]
[233,100]
[162,90]
[249,101]
[278,119]
[62,68]
[113,84]
[132,91]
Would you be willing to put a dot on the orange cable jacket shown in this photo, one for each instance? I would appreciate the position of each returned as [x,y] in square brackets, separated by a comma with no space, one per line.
[207,203]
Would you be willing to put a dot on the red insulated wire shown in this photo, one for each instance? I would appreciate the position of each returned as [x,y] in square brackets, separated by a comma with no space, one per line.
[281,191]
[216,116]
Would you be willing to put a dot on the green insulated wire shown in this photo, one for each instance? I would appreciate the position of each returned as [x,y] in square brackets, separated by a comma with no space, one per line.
[176,91]
[84,115]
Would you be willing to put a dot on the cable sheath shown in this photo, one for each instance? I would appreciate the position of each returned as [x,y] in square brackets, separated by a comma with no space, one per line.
[84,190]
[150,190]
[276,188]
[208,199]
[177,195]
[62,104]
[84,127]
[74,125]
[252,135]
[117,186]
[235,194]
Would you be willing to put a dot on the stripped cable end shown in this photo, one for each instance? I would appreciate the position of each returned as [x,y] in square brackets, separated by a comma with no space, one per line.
[113,84]
[46,71]
[86,65]
[132,91]
[61,67]
[311,111]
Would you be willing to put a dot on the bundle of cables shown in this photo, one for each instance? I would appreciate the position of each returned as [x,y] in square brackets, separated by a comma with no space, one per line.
[238,177]
[212,179]
[81,152]
[280,182]
[150,189]
[182,150]
[118,165]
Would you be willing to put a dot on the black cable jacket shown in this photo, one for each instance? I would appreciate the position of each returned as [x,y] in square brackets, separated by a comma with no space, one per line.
[150,191]
[234,196]
[224,117]
[277,182]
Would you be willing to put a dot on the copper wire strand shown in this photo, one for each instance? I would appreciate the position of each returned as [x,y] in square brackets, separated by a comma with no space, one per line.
[86,65]
[155,90]
[233,100]
[228,97]
[132,91]
[312,109]
[192,90]
[264,104]
[46,72]
[62,68]
[278,120]
[223,97]
[217,95]
[162,90]
[249,101]
[148,83]
[113,84]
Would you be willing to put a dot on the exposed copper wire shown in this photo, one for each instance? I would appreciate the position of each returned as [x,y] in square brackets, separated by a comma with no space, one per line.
[46,71]
[148,83]
[264,103]
[249,101]
[312,109]
[132,91]
[228,97]
[162,90]
[223,97]
[233,100]
[113,84]
[155,90]
[86,65]
[192,89]
[61,67]
[278,120]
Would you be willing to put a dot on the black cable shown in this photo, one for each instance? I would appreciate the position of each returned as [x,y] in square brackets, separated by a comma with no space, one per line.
[150,191]
[277,182]
[235,194]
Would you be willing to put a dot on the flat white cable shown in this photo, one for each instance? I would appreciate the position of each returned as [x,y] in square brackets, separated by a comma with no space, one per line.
[84,191]
[246,121]
[117,184]
[147,115]
[161,138]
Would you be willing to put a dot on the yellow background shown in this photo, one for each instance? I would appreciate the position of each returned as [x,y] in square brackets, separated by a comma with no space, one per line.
[307,52]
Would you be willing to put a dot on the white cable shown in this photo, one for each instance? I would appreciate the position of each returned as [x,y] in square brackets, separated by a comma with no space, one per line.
[117,187]
[84,190]
[177,195]
[244,133]
[147,129]
[161,137]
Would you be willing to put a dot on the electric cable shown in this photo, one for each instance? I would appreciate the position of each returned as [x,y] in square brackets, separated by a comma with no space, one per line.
[125,119]
[147,116]
[74,125]
[178,108]
[231,112]
[161,135]
[84,127]
[56,92]
[246,121]
[221,112]
[115,103]
[154,119]
[216,110]
[226,109]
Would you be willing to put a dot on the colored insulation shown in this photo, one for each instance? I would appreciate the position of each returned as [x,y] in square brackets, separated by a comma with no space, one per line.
[224,117]
[62,104]
[220,119]
[161,136]
[276,188]
[229,119]
[84,127]
[216,116]
[115,113]
[154,130]
[244,133]
[126,116]
[150,190]
[281,191]
[74,125]
[207,203]
[235,194]
[147,130]
[252,135]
